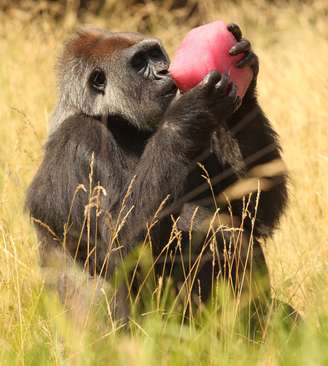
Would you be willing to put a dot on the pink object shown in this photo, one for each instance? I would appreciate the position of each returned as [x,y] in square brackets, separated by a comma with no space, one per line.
[204,49]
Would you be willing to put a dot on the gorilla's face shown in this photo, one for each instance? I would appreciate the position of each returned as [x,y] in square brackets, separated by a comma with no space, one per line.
[123,74]
[142,86]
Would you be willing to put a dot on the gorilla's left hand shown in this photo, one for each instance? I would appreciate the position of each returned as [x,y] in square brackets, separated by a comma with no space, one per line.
[244,46]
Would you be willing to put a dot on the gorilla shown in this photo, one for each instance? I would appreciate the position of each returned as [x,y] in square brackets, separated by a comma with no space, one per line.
[131,161]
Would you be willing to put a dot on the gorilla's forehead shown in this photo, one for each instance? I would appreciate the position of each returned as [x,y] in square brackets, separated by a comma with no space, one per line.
[89,43]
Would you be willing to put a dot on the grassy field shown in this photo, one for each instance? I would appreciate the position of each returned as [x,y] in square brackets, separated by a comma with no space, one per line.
[292,44]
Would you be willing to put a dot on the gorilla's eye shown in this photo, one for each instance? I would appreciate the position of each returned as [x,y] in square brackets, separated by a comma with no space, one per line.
[97,80]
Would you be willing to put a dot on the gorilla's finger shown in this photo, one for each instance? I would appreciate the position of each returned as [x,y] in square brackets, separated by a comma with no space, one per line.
[249,60]
[222,85]
[211,79]
[238,102]
[235,30]
[233,91]
[243,46]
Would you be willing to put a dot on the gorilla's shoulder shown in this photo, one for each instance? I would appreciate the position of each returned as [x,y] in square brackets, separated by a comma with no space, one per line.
[78,130]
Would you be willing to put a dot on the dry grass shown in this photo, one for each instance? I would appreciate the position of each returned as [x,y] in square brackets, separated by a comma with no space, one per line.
[292,43]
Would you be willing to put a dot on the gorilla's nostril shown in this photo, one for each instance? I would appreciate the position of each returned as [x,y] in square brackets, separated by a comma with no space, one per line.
[163,72]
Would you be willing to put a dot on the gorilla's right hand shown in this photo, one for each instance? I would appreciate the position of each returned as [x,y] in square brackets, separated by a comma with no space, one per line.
[218,94]
[200,110]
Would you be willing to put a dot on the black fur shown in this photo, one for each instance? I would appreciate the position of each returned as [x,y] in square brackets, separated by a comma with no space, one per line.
[155,145]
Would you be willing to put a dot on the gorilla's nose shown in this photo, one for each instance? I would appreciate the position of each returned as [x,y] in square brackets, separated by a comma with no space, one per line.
[162,72]
[148,44]
[149,55]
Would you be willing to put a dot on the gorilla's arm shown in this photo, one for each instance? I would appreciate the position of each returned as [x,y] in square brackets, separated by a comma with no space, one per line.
[249,132]
[245,143]
[259,145]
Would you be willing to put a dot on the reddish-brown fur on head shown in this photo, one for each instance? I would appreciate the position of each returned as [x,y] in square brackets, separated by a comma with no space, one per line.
[99,75]
[94,43]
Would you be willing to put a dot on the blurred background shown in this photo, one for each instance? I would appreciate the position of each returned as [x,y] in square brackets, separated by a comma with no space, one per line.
[291,40]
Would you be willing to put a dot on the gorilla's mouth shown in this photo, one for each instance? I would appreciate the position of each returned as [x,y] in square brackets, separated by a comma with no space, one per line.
[169,89]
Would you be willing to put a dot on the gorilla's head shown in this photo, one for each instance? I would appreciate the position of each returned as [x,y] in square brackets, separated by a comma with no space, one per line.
[123,74]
